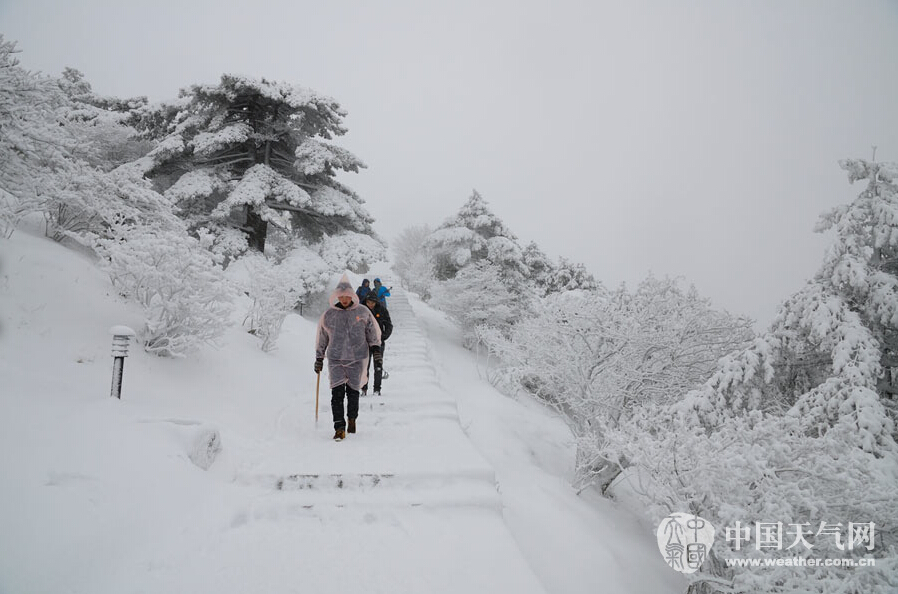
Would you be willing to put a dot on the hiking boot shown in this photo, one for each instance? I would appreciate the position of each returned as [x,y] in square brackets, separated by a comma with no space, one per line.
[351,428]
[377,392]
[339,435]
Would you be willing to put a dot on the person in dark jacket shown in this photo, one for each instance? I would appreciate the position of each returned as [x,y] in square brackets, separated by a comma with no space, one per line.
[363,290]
[386,329]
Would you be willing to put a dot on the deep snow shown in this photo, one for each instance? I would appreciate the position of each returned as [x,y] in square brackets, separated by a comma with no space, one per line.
[449,486]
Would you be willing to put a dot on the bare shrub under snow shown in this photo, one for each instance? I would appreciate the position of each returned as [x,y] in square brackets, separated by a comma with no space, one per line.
[276,288]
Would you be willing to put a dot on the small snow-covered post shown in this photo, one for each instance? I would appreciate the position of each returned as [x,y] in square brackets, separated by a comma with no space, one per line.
[121,336]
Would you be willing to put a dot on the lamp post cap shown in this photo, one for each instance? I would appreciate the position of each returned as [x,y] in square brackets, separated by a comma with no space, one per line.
[121,331]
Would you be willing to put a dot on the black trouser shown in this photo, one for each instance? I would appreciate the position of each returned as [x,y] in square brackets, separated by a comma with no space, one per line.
[378,371]
[352,404]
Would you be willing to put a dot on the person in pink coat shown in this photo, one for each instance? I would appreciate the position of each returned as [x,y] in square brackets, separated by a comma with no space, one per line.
[347,335]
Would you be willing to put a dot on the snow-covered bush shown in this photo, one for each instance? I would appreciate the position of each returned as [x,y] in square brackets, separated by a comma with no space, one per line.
[276,288]
[596,356]
[185,296]
[10,214]
[272,299]
[349,250]
[478,297]
[756,468]
[204,445]
[86,202]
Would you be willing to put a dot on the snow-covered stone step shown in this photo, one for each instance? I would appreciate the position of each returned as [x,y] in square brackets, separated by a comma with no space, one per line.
[421,388]
[394,361]
[427,441]
[406,417]
[474,488]
[352,548]
[397,397]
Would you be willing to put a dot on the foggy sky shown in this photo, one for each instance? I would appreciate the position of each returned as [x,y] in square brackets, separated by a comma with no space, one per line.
[688,138]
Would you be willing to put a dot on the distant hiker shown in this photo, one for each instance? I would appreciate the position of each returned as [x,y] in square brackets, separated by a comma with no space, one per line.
[347,333]
[386,329]
[363,290]
[381,291]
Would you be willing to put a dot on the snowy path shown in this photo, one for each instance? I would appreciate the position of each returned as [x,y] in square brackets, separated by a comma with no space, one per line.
[405,505]
[424,499]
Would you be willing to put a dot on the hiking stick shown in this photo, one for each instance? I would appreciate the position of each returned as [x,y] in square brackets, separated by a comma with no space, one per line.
[317,384]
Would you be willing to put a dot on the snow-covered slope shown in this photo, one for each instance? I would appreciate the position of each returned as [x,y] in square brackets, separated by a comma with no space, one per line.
[447,487]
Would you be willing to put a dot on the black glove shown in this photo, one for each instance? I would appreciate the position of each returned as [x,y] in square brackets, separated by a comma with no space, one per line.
[319,365]
[378,359]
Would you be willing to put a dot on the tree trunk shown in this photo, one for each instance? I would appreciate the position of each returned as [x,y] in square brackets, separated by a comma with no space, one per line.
[258,230]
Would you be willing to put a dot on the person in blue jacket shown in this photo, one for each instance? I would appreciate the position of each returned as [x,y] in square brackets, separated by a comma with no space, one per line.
[363,290]
[381,291]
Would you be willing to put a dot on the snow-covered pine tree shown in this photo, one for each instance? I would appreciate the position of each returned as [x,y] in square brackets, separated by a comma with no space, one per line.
[539,266]
[799,427]
[248,156]
[472,235]
[569,276]
[827,358]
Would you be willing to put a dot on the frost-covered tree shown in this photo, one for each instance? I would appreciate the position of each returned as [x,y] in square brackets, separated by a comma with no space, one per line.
[52,162]
[413,262]
[248,156]
[596,356]
[798,427]
[569,276]
[34,137]
[539,266]
[478,297]
[105,123]
[472,235]
[86,202]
